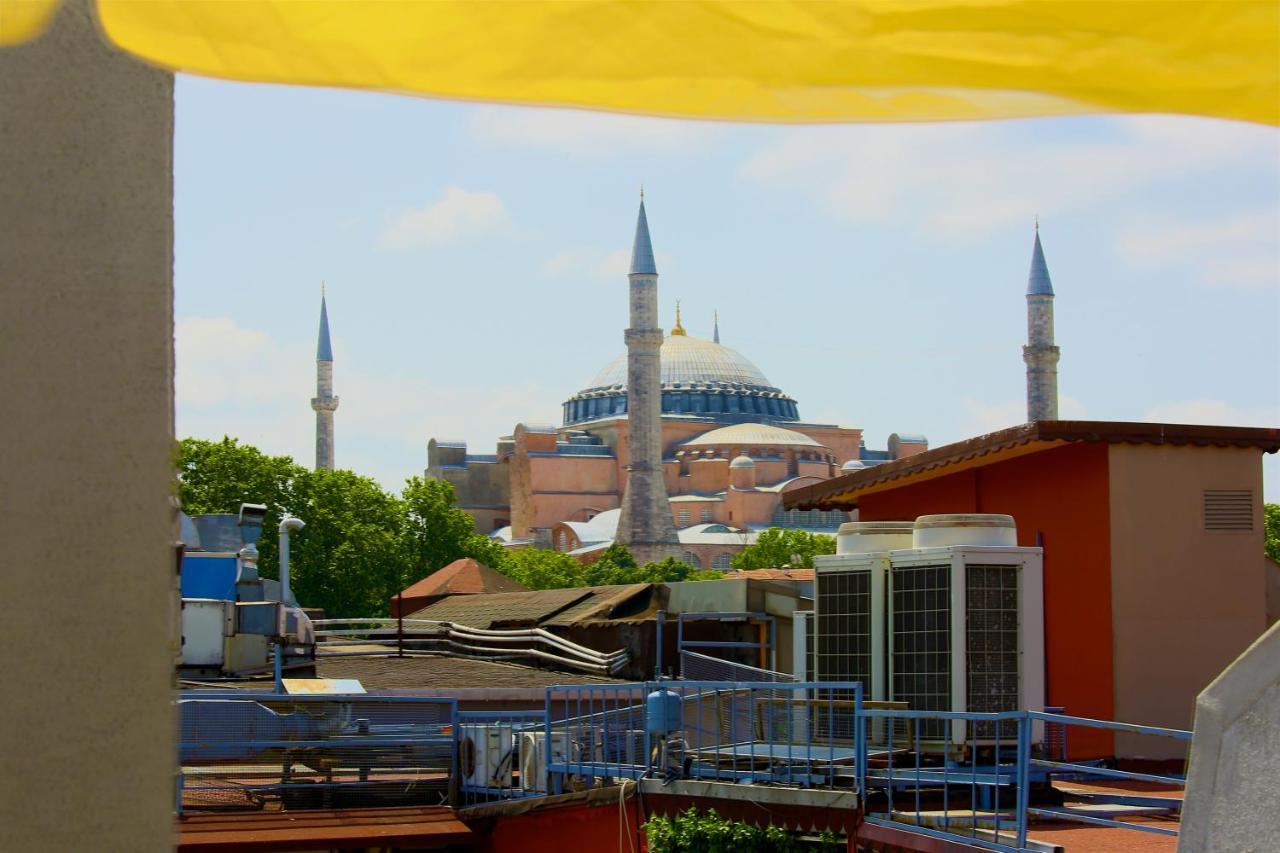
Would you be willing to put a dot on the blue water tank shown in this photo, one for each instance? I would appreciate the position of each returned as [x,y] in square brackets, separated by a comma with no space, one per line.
[663,712]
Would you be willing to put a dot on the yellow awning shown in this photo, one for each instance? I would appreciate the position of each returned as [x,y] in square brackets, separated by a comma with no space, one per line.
[871,60]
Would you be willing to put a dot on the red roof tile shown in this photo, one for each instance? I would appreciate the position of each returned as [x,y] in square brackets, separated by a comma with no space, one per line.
[462,577]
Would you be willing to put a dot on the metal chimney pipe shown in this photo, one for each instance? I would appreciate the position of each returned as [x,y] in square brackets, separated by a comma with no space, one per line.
[287,524]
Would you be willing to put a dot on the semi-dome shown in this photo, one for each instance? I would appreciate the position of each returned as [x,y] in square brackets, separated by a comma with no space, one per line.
[742,462]
[699,378]
[761,434]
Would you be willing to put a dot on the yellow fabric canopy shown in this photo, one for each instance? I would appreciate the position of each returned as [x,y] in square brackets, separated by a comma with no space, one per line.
[754,60]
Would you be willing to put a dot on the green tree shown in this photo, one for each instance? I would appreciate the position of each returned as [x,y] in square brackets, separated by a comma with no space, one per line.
[361,544]
[436,532]
[537,568]
[218,476]
[669,570]
[615,565]
[1271,524]
[779,548]
[348,559]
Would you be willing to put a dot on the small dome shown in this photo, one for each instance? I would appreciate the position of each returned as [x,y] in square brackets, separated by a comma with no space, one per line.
[754,434]
[742,462]
[853,465]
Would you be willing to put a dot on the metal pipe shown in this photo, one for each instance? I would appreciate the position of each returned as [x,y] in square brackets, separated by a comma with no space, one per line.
[287,524]
[279,668]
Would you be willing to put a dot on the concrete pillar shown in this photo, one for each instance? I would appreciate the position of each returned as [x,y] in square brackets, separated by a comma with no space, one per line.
[87,522]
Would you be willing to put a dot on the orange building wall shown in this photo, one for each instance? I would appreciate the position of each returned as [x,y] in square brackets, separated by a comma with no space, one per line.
[571,829]
[1060,499]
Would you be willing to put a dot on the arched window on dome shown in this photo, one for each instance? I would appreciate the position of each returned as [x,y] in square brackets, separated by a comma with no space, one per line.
[563,543]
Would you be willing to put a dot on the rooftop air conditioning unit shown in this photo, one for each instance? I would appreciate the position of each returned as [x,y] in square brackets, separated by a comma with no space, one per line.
[849,604]
[486,754]
[966,626]
[533,758]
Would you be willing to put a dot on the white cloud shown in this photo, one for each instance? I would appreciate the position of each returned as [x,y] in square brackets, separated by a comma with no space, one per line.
[973,178]
[458,215]
[1249,241]
[597,264]
[588,134]
[988,416]
[1215,412]
[238,381]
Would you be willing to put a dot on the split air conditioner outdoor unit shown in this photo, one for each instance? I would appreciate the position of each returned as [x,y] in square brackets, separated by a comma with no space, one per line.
[966,626]
[533,758]
[486,755]
[849,604]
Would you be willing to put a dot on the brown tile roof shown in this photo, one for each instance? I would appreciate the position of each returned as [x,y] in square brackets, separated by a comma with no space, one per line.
[462,577]
[442,672]
[843,492]
[771,574]
[503,609]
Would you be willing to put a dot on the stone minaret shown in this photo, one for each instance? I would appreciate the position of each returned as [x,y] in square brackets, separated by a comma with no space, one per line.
[324,403]
[1040,354]
[645,525]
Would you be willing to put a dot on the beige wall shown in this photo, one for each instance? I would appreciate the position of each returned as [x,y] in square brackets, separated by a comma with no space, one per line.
[87,581]
[1185,601]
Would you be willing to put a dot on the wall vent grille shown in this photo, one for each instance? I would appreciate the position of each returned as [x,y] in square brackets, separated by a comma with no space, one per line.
[1228,509]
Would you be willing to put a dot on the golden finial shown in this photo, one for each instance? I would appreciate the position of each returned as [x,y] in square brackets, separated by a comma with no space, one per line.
[677,329]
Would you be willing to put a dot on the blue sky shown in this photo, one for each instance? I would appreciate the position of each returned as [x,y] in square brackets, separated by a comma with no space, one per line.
[475,258]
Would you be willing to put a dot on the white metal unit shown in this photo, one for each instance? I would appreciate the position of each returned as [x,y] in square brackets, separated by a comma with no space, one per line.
[487,753]
[533,758]
[966,630]
[206,622]
[849,604]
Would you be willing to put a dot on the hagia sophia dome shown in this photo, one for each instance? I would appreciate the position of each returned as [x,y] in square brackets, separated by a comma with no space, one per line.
[700,378]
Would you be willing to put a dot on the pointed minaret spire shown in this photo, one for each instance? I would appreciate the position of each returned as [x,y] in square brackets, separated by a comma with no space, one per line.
[677,329]
[715,328]
[645,524]
[324,349]
[324,403]
[1038,281]
[1040,353]
[642,249]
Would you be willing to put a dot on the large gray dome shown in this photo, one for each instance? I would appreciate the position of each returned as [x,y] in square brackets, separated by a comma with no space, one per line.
[687,360]
[699,378]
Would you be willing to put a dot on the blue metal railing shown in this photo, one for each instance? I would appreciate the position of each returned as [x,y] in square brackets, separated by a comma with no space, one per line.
[242,749]
[951,775]
[490,749]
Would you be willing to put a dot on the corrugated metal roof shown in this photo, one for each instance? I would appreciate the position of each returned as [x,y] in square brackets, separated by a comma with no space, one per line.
[603,602]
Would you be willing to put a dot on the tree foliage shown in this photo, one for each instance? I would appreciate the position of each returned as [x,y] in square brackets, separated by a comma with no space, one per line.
[1271,523]
[537,568]
[780,548]
[361,544]
[693,831]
